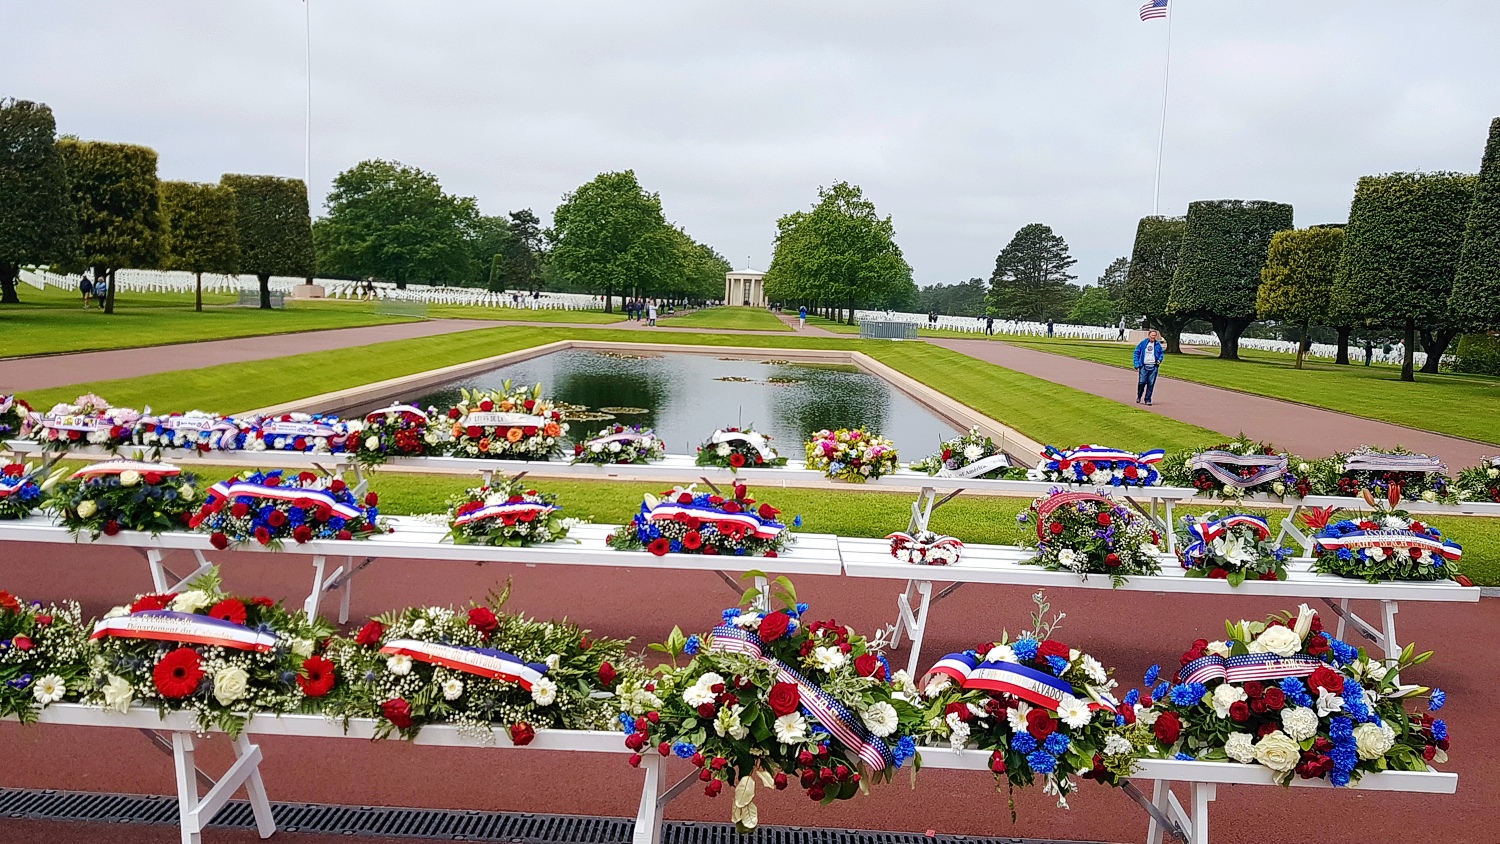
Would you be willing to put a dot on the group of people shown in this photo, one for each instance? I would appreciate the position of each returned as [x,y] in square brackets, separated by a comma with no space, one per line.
[96,288]
[638,309]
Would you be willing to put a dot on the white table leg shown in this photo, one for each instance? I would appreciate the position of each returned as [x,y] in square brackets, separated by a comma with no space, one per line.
[919,629]
[1160,800]
[1203,794]
[158,573]
[1171,527]
[187,788]
[1391,645]
[255,789]
[648,815]
[348,585]
[311,606]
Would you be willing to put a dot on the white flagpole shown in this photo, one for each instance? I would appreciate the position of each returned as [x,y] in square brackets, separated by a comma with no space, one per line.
[1161,138]
[307,148]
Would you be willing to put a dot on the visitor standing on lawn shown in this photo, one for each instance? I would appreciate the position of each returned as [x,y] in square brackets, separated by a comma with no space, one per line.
[86,287]
[801,317]
[1148,354]
[651,312]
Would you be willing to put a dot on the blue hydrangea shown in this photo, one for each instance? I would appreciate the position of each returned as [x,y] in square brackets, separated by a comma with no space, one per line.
[1345,554]
[1042,762]
[730,614]
[1025,649]
[627,724]
[1057,744]
[1187,694]
[1119,720]
[1439,699]
[1296,692]
[693,645]
[1343,652]
[797,522]
[1133,697]
[1152,673]
[1161,690]
[1023,743]
[684,750]
[1439,729]
[1059,665]
[904,750]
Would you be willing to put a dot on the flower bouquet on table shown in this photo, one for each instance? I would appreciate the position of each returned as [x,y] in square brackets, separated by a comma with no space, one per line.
[115,495]
[1235,547]
[515,423]
[479,668]
[505,513]
[1286,694]
[15,418]
[771,699]
[1234,469]
[270,507]
[221,657]
[686,521]
[1042,709]
[1101,466]
[195,429]
[620,444]
[739,448]
[1479,483]
[1388,544]
[1088,534]
[1417,476]
[925,548]
[20,493]
[311,433]
[87,420]
[402,430]
[853,455]
[43,656]
[972,455]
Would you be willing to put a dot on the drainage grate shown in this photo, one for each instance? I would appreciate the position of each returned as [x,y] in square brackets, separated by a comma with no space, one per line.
[447,824]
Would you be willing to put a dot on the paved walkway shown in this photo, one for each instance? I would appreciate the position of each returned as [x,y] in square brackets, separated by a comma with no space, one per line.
[1298,428]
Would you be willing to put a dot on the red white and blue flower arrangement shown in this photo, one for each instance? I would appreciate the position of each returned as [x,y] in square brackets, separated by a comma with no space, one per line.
[1235,547]
[195,429]
[15,417]
[1286,694]
[686,521]
[20,493]
[1086,533]
[316,433]
[401,430]
[770,699]
[620,444]
[1388,544]
[42,656]
[87,420]
[739,448]
[221,657]
[1101,466]
[513,423]
[853,455]
[1042,708]
[506,513]
[270,507]
[115,495]
[1479,483]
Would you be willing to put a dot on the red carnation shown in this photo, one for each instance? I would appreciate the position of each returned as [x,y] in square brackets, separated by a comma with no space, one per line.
[660,546]
[774,626]
[178,674]
[111,527]
[370,634]
[736,459]
[398,712]
[784,699]
[1326,678]
[302,533]
[1167,728]
[1056,528]
[262,536]
[692,540]
[607,675]
[1040,724]
[521,734]
[276,519]
[228,609]
[317,676]
[1103,518]
[152,478]
[869,665]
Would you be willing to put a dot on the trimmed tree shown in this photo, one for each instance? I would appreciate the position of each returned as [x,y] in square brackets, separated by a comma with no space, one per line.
[1401,252]
[118,201]
[1031,278]
[275,230]
[200,230]
[1218,272]
[1297,280]
[36,214]
[1148,282]
[607,230]
[1476,284]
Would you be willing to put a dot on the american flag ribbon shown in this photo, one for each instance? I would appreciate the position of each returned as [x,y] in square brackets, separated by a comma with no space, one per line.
[1246,667]
[480,662]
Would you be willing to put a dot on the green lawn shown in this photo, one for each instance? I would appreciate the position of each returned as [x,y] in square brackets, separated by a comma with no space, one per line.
[829,325]
[1461,405]
[739,317]
[521,314]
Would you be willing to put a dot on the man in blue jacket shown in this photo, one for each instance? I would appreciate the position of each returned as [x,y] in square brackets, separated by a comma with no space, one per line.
[1148,354]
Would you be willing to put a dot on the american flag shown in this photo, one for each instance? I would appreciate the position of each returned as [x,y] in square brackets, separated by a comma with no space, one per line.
[1154,9]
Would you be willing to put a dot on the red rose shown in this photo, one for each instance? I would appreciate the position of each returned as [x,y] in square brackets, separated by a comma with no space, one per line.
[371,499]
[1275,698]
[736,459]
[344,534]
[1056,528]
[1051,647]
[302,533]
[152,602]
[1040,724]
[1112,560]
[486,406]
[710,551]
[474,432]
[317,676]
[152,478]
[1167,728]
[1088,467]
[1239,711]
[228,609]
[774,626]
[784,699]
[997,762]
[111,527]
[1326,678]
[660,546]
[521,734]
[43,620]
[1317,645]
[178,674]
[262,536]
[454,413]
[276,519]
[692,540]
[1254,688]
[607,675]
[768,512]
[705,710]
[529,404]
[370,634]
[22,643]
[1103,519]
[218,540]
[731,507]
[1131,472]
[780,781]
[398,712]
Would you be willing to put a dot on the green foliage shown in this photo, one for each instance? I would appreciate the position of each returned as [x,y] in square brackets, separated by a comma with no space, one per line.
[516,263]
[487,238]
[840,253]
[965,298]
[1297,279]
[1218,271]
[1148,281]
[609,234]
[1476,284]
[37,224]
[275,228]
[1093,307]
[1113,280]
[117,199]
[1031,278]
[1478,353]
[394,222]
[200,228]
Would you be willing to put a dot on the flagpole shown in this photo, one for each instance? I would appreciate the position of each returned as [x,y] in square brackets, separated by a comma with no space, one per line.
[307,147]
[1161,138]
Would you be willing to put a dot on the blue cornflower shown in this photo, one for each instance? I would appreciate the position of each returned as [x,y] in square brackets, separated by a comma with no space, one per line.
[730,614]
[1057,744]
[1339,779]
[1439,698]
[627,723]
[1439,729]
[1152,673]
[904,750]
[676,546]
[1059,665]
[797,522]
[1344,756]
[1340,728]
[1022,743]
[1042,762]
[684,750]
[1187,694]
[1025,649]
[1296,692]
[1183,757]
[1161,690]
[1133,697]
[1343,652]
[693,645]
[801,608]
[1354,701]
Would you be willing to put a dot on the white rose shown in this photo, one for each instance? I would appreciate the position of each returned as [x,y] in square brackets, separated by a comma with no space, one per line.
[1303,468]
[1372,742]
[1277,752]
[614,448]
[1225,695]
[301,648]
[372,443]
[1299,722]
[453,688]
[118,695]
[398,664]
[191,601]
[1492,473]
[597,448]
[87,508]
[1429,496]
[419,626]
[543,692]
[1279,640]
[553,661]
[1279,488]
[230,684]
[130,477]
[1218,649]
[186,492]
[1239,748]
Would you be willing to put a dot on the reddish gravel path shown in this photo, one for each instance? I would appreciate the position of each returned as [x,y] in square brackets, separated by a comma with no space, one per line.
[1127,631]
[1309,431]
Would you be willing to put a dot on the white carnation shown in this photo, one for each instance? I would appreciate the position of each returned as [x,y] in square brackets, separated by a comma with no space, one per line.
[1240,748]
[1299,722]
[1225,695]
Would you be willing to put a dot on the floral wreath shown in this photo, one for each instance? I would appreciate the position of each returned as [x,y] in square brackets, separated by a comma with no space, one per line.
[1101,466]
[972,455]
[513,423]
[853,455]
[1389,544]
[88,420]
[20,494]
[620,444]
[401,430]
[15,417]
[1235,547]
[739,448]
[925,548]
[1233,469]
[270,507]
[195,429]
[43,659]
[115,495]
[505,513]
[315,433]
[1086,533]
[686,521]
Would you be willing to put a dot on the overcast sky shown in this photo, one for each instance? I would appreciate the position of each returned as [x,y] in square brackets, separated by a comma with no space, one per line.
[962,120]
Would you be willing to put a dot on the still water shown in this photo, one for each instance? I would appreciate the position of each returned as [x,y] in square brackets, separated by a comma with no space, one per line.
[684,398]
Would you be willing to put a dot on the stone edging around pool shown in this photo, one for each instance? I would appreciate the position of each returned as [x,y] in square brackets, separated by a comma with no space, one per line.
[960,415]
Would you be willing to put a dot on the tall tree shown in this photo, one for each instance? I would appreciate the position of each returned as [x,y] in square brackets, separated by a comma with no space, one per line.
[518,263]
[605,232]
[1218,272]
[37,225]
[1148,281]
[1031,275]
[275,229]
[487,238]
[1401,252]
[1112,281]
[394,222]
[200,230]
[117,198]
[1476,285]
[966,298]
[1296,283]
[1093,307]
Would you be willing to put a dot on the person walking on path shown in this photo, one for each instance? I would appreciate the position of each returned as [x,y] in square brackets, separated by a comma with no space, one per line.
[86,287]
[801,317]
[1049,327]
[1148,354]
[1122,329]
[1369,351]
[651,312]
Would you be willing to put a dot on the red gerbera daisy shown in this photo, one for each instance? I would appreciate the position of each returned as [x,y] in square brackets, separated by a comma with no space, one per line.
[179,673]
[660,546]
[317,677]
[229,609]
[152,602]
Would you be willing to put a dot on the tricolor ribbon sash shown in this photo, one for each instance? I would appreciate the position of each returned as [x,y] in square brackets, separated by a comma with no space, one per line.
[480,662]
[977,468]
[9,486]
[244,489]
[504,420]
[1246,667]
[1373,462]
[755,440]
[520,511]
[1224,466]
[842,723]
[1029,684]
[622,437]
[752,524]
[279,428]
[1208,531]
[1391,539]
[170,626]
[116,467]
[1101,454]
[397,409]
[1046,508]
